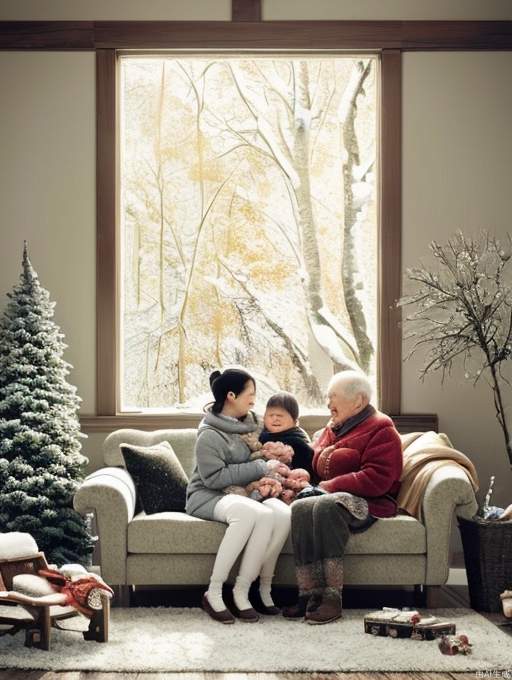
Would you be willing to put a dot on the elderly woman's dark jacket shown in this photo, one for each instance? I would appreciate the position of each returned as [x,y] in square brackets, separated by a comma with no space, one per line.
[366,461]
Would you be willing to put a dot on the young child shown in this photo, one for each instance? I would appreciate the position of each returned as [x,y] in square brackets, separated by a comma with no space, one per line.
[281,439]
[280,424]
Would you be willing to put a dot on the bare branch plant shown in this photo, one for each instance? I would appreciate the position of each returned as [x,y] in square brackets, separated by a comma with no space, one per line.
[463,311]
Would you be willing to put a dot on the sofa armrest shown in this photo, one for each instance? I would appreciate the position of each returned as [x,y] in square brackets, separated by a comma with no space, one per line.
[110,492]
[448,490]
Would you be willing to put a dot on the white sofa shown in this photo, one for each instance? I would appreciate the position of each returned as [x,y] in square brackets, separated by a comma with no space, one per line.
[172,548]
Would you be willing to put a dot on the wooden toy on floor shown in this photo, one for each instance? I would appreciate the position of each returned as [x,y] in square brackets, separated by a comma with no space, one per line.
[397,623]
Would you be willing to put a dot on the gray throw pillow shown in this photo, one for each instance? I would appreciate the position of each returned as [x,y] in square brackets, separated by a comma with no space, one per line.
[158,475]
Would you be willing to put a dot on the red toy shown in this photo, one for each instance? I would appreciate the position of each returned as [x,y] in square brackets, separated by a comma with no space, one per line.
[82,593]
[455,644]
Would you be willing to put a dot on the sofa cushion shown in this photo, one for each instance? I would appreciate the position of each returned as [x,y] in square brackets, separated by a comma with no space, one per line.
[182,442]
[173,532]
[178,533]
[159,477]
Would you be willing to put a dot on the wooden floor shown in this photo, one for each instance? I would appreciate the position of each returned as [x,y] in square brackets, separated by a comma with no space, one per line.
[67,675]
[439,597]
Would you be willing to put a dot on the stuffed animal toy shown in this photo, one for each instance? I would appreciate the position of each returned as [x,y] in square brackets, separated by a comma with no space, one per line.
[81,588]
[253,442]
[294,482]
[269,450]
[265,487]
[276,451]
[297,479]
[78,587]
[285,484]
[269,486]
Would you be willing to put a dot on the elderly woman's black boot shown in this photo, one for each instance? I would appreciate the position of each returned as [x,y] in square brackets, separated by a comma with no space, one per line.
[328,610]
[305,603]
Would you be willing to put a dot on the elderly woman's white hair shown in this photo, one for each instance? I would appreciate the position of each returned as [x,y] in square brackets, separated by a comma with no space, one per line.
[351,384]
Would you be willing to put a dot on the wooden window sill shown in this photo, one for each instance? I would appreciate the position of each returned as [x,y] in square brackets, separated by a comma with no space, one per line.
[91,424]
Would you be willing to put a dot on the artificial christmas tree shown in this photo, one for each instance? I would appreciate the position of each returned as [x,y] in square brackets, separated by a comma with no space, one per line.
[40,460]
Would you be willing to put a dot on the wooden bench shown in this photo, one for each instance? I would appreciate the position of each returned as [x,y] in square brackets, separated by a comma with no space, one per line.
[37,615]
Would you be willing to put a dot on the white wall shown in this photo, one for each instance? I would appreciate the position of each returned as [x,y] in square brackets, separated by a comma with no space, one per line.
[457,174]
[456,156]
[111,10]
[218,10]
[47,191]
[386,9]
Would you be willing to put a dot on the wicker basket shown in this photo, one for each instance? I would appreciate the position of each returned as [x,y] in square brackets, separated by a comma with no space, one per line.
[488,557]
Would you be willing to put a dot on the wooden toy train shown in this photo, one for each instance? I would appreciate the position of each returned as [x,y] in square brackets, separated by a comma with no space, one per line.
[398,623]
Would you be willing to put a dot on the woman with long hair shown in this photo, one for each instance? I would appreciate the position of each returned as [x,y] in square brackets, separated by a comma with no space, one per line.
[258,529]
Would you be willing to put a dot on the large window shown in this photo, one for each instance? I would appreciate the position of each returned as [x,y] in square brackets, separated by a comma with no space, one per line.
[248,223]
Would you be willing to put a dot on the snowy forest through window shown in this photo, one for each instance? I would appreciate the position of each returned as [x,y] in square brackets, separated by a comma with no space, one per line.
[248,223]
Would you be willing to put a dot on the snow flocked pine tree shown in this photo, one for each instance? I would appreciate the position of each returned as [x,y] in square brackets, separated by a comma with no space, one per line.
[40,460]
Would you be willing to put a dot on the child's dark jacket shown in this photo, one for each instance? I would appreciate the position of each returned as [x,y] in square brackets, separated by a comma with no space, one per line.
[300,443]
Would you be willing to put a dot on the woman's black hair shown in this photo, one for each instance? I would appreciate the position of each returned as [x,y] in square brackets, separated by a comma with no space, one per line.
[286,401]
[231,380]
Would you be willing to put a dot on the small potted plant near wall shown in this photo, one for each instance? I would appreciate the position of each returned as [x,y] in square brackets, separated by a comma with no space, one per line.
[462,311]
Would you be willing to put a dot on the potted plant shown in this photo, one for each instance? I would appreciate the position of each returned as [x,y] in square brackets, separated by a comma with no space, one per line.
[462,311]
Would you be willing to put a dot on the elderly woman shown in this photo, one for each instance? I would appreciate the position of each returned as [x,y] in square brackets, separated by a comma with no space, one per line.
[358,457]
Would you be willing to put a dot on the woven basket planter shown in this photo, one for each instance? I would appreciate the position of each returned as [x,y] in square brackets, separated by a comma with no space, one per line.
[488,557]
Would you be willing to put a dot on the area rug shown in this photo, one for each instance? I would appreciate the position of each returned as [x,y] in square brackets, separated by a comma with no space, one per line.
[147,639]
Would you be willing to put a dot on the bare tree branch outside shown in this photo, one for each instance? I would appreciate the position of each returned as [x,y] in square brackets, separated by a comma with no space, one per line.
[248,224]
